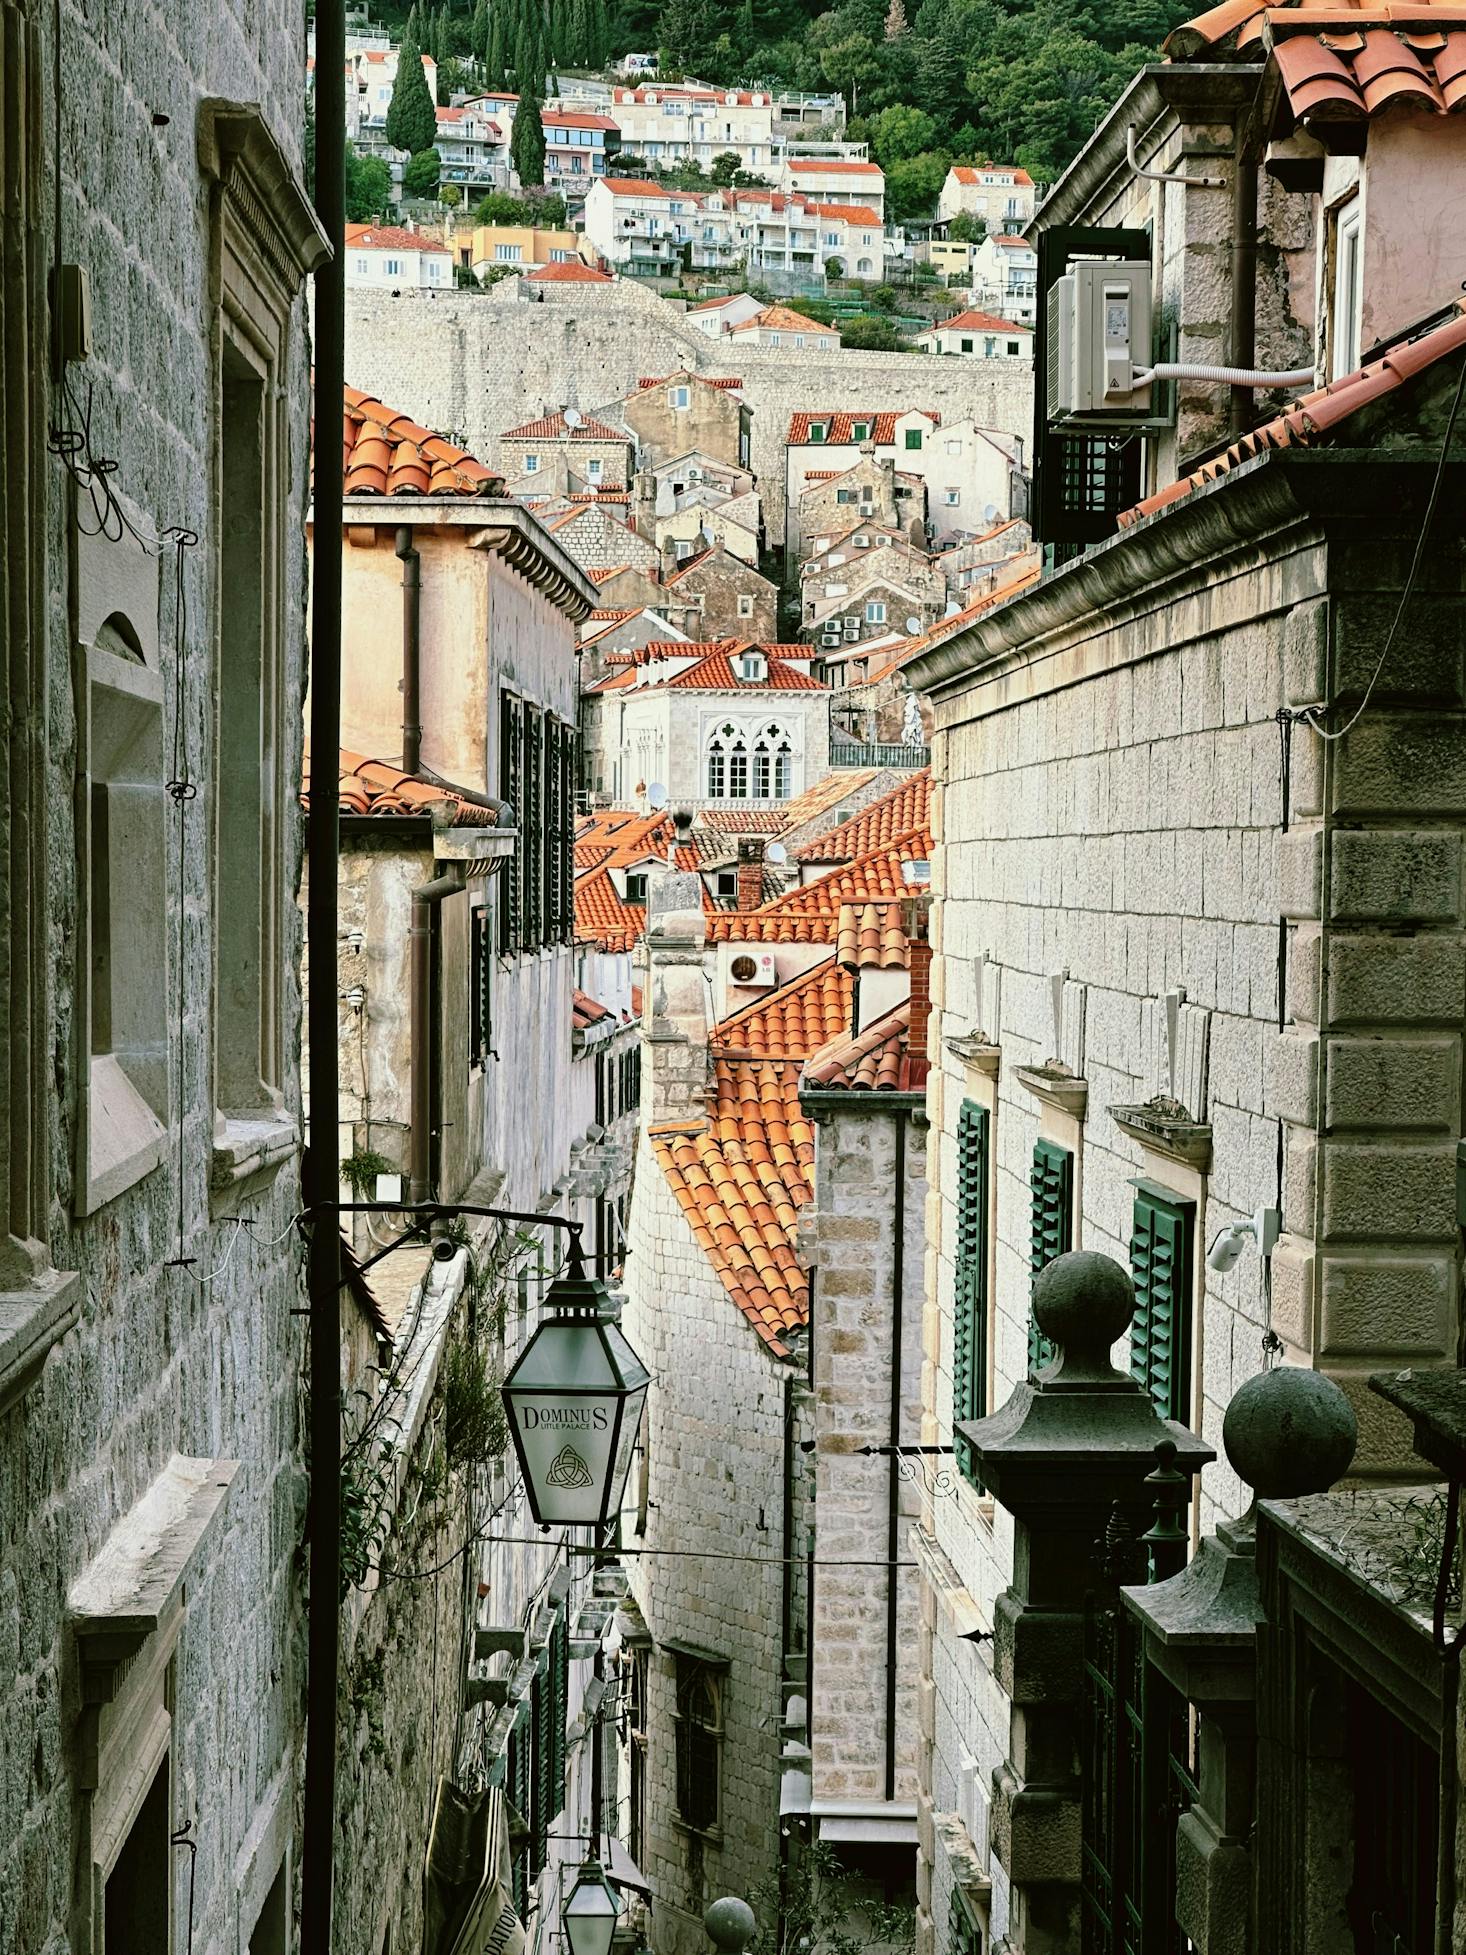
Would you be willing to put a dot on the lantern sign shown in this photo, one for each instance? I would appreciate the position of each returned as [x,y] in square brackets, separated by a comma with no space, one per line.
[574,1401]
[590,1913]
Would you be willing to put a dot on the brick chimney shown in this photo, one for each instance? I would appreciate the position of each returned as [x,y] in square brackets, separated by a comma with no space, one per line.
[750,872]
[674,1039]
[918,916]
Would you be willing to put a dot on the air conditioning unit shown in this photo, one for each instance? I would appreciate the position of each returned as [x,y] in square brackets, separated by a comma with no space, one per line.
[1099,336]
[753,968]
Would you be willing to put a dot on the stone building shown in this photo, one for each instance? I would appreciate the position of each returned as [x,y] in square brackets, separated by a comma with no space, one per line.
[853,592]
[728,597]
[556,456]
[598,536]
[152,635]
[1183,993]
[871,490]
[722,721]
[686,412]
[1001,194]
[705,517]
[866,454]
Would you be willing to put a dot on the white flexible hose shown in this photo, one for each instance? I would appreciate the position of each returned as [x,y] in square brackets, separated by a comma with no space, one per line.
[1228,376]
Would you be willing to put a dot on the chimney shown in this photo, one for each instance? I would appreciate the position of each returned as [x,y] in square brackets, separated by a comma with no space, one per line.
[750,872]
[669,558]
[918,915]
[674,1040]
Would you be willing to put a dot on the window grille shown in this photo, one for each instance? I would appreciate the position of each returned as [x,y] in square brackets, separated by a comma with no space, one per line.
[970,1301]
[1051,1182]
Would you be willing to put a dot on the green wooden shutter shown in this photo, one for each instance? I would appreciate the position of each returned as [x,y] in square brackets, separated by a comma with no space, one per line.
[1051,1181]
[511,789]
[1162,1252]
[970,1301]
[558,1683]
[534,828]
[539,1825]
[517,1778]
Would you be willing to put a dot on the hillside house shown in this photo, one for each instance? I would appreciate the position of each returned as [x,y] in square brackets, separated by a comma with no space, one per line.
[1004,270]
[1001,195]
[396,258]
[980,336]
[683,413]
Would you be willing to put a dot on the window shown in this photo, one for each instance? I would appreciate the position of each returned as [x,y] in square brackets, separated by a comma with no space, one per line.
[394,266]
[699,1722]
[966,345]
[1051,1185]
[875,612]
[727,883]
[531,464]
[480,978]
[362,264]
[970,1298]
[913,438]
[832,237]
[135,1899]
[771,761]
[511,789]
[593,470]
[1348,290]
[1014,346]
[745,606]
[509,254]
[951,497]
[844,495]
[636,881]
[773,339]
[864,268]
[636,1739]
[954,447]
[680,396]
[1162,1259]
[816,431]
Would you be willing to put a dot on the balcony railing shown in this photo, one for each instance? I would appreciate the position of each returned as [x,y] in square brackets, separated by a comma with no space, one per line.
[856,754]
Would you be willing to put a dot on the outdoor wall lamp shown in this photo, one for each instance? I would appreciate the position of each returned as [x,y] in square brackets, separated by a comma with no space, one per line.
[590,1912]
[1228,1244]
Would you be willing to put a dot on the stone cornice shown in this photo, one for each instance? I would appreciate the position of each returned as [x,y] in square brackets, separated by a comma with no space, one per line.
[1259,500]
[1185,1141]
[236,149]
[979,1055]
[527,546]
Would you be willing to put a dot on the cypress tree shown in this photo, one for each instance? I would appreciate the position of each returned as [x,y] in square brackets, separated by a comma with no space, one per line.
[557,33]
[600,50]
[527,145]
[580,52]
[478,33]
[523,60]
[496,62]
[412,121]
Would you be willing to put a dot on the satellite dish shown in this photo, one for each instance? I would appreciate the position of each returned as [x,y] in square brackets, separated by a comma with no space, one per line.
[989,514]
[776,853]
[573,417]
[913,625]
[656,795]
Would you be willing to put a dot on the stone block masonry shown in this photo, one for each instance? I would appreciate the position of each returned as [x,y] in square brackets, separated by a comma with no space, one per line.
[478,363]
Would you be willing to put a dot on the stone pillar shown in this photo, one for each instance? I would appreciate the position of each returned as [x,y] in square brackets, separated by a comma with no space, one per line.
[1070,1449]
[674,1047]
[1287,1433]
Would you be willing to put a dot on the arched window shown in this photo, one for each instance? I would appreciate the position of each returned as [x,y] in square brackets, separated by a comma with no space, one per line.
[772,763]
[699,1744]
[727,755]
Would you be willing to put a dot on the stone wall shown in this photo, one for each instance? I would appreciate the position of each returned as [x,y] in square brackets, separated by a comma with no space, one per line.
[475,363]
[200,1358]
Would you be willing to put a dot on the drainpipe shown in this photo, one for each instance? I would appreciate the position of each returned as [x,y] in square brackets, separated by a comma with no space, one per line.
[411,654]
[1243,331]
[426,899]
[322,1188]
[893,1482]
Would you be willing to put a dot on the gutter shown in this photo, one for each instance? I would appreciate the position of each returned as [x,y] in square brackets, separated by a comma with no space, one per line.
[893,1479]
[423,928]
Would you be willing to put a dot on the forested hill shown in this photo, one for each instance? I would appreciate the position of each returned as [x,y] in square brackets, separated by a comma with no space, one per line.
[1022,81]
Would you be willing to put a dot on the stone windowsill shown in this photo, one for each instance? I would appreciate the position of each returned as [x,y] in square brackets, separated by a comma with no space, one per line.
[1185,1141]
[249,1151]
[709,1835]
[1056,1087]
[980,1055]
[34,1317]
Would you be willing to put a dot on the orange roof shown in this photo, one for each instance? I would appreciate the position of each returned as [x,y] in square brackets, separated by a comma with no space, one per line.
[825,794]
[837,166]
[575,119]
[1013,244]
[605,573]
[386,454]
[877,1060]
[390,237]
[905,807]
[715,674]
[378,787]
[880,427]
[844,213]
[978,322]
[779,319]
[636,186]
[713,305]
[602,917]
[1317,414]
[793,1021]
[1361,59]
[554,427]
[741,1180]
[985,172]
[729,385]
[571,273]
[620,835]
[586,1011]
[868,937]
[810,914]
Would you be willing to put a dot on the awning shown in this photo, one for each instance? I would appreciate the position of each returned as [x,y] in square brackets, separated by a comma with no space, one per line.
[623,1869]
[468,1908]
[885,1822]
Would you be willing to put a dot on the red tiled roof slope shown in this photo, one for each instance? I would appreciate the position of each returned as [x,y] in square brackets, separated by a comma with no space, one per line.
[379,787]
[602,916]
[838,426]
[554,427]
[793,1021]
[386,453]
[811,914]
[877,1060]
[907,806]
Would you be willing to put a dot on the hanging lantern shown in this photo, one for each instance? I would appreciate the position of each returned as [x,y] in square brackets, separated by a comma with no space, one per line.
[574,1402]
[589,1914]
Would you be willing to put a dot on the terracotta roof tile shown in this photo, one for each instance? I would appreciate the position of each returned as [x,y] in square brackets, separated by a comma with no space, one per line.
[877,1060]
[622,836]
[586,1011]
[905,807]
[778,318]
[385,453]
[602,917]
[793,1021]
[730,385]
[554,427]
[838,166]
[810,914]
[390,237]
[741,1180]
[1316,415]
[986,172]
[978,322]
[379,787]
[569,274]
[838,425]
[871,936]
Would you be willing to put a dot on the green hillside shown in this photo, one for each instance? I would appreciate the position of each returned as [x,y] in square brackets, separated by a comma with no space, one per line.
[952,81]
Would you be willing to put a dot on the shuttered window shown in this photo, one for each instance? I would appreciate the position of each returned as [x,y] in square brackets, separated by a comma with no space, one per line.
[480,978]
[540,1814]
[1162,1252]
[1051,1182]
[518,1782]
[557,1679]
[511,789]
[532,833]
[970,1301]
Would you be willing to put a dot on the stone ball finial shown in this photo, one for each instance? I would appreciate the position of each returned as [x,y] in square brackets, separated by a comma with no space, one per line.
[730,1924]
[1289,1432]
[1083,1301]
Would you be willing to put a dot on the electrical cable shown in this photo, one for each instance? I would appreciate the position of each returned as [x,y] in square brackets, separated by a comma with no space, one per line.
[1310,713]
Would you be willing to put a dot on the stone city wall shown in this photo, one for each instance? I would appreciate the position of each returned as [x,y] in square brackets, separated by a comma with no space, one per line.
[474,364]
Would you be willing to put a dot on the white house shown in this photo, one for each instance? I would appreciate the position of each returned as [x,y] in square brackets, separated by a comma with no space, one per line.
[387,257]
[695,125]
[1001,194]
[370,79]
[1005,277]
[473,149]
[823,445]
[637,225]
[776,325]
[836,180]
[718,316]
[980,336]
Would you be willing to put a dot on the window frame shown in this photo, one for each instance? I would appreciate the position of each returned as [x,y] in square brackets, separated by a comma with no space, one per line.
[1051,1178]
[691,1671]
[971,1287]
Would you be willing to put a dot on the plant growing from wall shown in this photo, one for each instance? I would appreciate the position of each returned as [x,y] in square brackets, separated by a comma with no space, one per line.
[360,1170]
[475,1429]
[822,1910]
